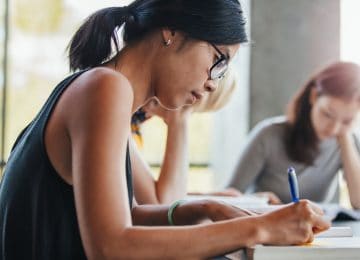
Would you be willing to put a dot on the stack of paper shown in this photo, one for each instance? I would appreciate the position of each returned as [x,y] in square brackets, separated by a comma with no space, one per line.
[335,243]
[329,248]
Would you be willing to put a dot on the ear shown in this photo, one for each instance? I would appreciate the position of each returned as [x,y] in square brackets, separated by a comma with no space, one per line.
[168,36]
[313,96]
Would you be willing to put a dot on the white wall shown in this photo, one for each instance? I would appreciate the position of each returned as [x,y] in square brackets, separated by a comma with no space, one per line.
[231,123]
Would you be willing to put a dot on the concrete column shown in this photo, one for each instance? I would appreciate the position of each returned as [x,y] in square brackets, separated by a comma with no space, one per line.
[292,39]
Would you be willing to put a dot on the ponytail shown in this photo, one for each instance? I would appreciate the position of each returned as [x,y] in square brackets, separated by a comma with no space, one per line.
[91,44]
[213,21]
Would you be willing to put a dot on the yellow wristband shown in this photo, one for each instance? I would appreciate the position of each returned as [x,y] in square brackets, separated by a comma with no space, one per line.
[171,211]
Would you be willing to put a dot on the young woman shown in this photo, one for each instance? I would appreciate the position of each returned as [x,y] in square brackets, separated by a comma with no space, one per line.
[316,137]
[67,190]
[172,182]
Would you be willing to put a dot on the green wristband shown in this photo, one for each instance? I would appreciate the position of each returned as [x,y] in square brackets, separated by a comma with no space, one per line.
[171,211]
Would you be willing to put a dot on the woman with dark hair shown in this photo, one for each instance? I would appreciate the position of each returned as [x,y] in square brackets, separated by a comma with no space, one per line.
[315,137]
[67,194]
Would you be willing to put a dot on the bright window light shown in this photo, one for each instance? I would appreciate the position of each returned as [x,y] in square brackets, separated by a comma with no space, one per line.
[350,36]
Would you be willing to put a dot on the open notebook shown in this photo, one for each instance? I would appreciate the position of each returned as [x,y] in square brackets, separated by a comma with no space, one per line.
[338,213]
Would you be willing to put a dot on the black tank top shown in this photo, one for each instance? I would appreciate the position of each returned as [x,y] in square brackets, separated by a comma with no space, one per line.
[37,209]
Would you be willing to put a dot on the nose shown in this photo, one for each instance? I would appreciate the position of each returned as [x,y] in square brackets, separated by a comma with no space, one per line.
[210,86]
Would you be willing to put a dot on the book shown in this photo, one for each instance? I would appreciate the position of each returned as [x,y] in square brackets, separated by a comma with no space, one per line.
[326,247]
[337,213]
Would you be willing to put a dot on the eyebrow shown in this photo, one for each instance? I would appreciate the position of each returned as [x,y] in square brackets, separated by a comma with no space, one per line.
[328,110]
[226,54]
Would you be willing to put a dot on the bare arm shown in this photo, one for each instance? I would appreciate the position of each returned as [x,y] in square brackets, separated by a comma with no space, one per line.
[172,181]
[104,216]
[351,166]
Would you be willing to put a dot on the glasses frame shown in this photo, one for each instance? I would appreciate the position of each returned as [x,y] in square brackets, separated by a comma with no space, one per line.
[221,59]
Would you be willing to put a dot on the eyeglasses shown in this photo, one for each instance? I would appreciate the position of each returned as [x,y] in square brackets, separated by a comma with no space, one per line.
[218,70]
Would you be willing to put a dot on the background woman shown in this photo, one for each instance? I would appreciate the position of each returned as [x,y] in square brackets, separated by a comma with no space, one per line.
[316,137]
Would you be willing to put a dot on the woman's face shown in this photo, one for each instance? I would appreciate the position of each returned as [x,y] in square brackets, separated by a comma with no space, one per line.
[331,116]
[184,69]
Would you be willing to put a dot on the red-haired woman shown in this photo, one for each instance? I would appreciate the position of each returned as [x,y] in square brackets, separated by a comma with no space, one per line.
[315,137]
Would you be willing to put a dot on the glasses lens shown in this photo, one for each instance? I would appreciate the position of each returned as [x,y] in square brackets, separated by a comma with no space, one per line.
[219,70]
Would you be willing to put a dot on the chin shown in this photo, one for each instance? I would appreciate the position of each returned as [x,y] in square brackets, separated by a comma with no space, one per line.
[323,137]
[172,105]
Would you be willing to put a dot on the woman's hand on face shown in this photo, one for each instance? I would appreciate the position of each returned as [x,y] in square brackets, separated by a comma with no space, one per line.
[272,197]
[344,137]
[152,108]
[293,224]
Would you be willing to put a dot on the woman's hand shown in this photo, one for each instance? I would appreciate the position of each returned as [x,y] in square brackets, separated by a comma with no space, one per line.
[271,196]
[293,224]
[350,157]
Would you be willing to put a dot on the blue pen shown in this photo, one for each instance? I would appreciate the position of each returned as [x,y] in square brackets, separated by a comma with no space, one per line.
[293,183]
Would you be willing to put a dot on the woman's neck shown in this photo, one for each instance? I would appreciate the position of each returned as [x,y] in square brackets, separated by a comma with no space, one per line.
[135,63]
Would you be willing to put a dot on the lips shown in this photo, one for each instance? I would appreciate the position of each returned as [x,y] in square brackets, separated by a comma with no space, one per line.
[197,95]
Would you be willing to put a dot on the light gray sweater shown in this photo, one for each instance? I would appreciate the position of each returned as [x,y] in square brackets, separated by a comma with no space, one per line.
[263,164]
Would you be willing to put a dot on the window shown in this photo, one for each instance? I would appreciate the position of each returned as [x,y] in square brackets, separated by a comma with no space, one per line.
[200,136]
[3,45]
[39,32]
[350,38]
[350,42]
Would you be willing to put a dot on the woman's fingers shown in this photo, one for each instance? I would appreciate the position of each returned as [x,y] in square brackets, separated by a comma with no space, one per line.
[316,208]
[320,224]
[295,223]
[273,198]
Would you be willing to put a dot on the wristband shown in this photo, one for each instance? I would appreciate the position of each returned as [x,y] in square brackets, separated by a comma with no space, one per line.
[171,211]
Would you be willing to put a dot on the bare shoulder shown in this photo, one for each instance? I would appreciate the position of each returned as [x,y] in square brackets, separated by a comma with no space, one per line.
[104,86]
[98,92]
[101,80]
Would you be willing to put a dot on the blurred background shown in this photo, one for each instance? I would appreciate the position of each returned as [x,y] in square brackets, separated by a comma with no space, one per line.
[290,40]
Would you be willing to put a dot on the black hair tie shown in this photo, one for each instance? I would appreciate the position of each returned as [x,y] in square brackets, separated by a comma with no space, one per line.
[128,13]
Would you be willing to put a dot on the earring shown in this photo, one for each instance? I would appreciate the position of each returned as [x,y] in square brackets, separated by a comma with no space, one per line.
[168,42]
